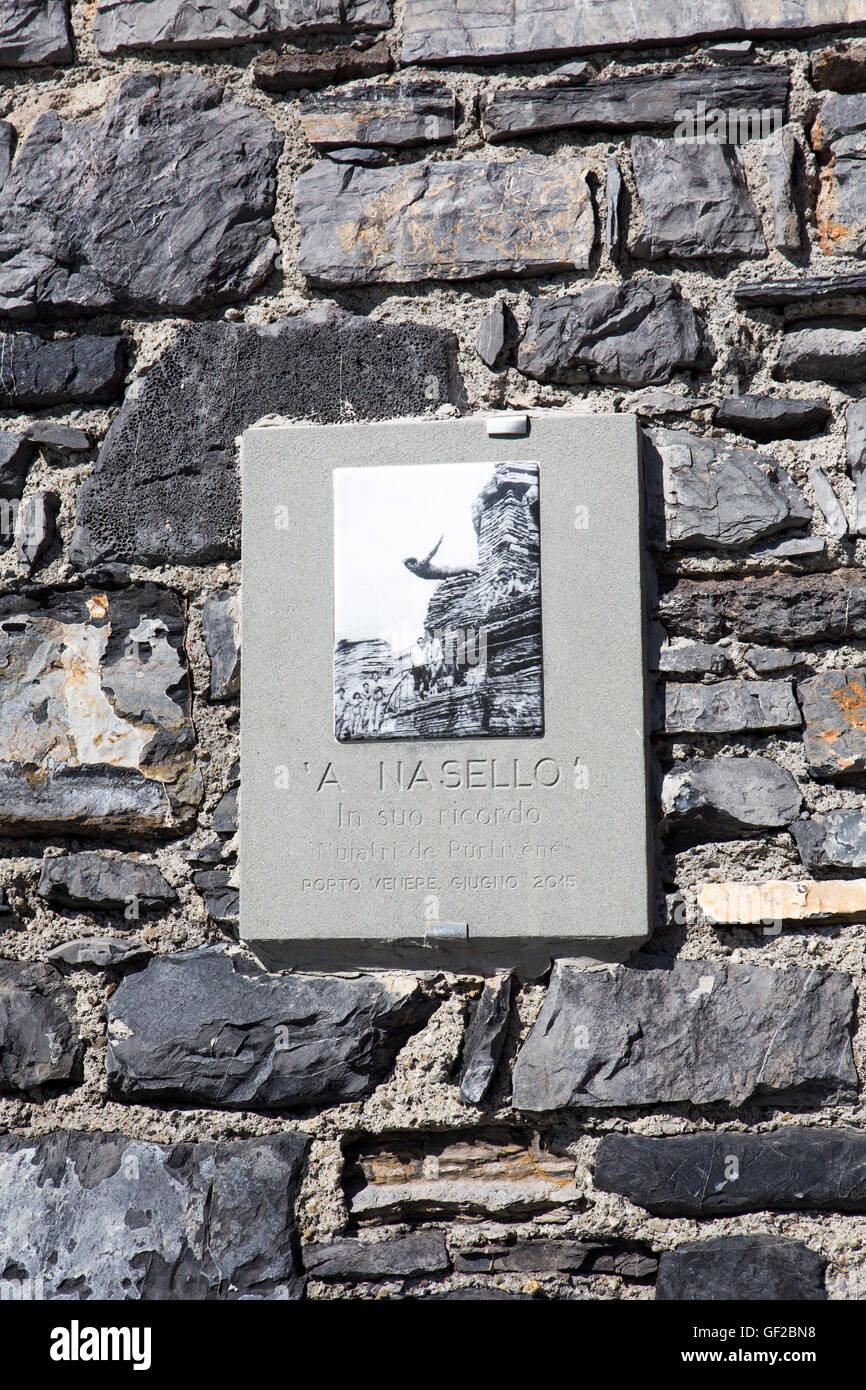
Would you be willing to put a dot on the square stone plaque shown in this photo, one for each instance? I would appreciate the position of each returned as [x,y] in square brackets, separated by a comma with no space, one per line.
[443,703]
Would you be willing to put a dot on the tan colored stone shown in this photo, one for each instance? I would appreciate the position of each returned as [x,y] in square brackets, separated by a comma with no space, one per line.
[786,900]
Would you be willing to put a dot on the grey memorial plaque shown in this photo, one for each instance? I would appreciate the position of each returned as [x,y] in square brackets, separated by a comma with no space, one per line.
[443,709]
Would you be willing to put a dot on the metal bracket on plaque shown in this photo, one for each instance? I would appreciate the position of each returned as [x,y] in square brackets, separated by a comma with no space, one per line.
[437,933]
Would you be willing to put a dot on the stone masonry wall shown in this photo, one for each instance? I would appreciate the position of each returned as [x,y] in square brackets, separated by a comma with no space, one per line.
[332,211]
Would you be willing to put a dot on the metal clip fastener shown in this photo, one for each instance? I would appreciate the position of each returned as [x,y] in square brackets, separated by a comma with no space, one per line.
[435,932]
[507,424]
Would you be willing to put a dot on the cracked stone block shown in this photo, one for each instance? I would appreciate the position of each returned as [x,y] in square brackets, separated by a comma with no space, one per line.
[485,1038]
[214,1029]
[443,220]
[786,608]
[729,707]
[98,735]
[102,882]
[127,26]
[824,353]
[36,372]
[782,900]
[101,1216]
[165,488]
[783,159]
[420,1255]
[834,841]
[34,32]
[636,334]
[221,622]
[705,494]
[764,418]
[39,1039]
[694,201]
[174,215]
[834,710]
[288,72]
[727,798]
[385,113]
[735,1268]
[497,1173]
[701,1031]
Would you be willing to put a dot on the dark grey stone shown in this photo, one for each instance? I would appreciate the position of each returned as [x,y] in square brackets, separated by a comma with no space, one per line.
[16,456]
[791,1169]
[784,608]
[165,488]
[632,103]
[38,372]
[127,26]
[497,336]
[834,711]
[855,422]
[104,952]
[101,1216]
[823,353]
[729,707]
[34,31]
[8,137]
[59,443]
[220,893]
[828,502]
[770,660]
[39,1039]
[698,1031]
[573,73]
[100,881]
[613,228]
[216,1030]
[636,334]
[726,798]
[705,494]
[386,113]
[485,1038]
[840,69]
[97,735]
[742,1268]
[527,1257]
[490,1294]
[763,418]
[221,623]
[174,213]
[694,201]
[841,114]
[691,660]
[443,220]
[359,154]
[406,1257]
[225,817]
[783,158]
[834,841]
[37,526]
[804,289]
[287,72]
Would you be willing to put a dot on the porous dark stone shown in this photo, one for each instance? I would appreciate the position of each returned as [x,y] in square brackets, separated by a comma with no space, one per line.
[165,488]
[497,336]
[443,220]
[34,31]
[38,372]
[763,418]
[742,1268]
[485,1038]
[174,213]
[59,443]
[16,456]
[216,1030]
[636,334]
[221,623]
[96,880]
[834,841]
[631,103]
[407,1257]
[127,26]
[386,113]
[220,893]
[802,289]
[287,72]
[726,798]
[151,1221]
[729,706]
[834,710]
[786,608]
[705,494]
[97,735]
[37,526]
[699,1031]
[823,353]
[797,1168]
[39,1039]
[694,201]
[103,952]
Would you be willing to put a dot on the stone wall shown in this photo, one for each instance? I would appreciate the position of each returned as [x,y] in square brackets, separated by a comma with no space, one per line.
[203,209]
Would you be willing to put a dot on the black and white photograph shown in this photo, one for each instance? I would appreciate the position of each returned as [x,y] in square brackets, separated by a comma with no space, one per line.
[437,598]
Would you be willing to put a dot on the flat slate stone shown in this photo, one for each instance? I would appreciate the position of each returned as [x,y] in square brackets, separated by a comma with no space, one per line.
[165,488]
[834,841]
[97,880]
[221,624]
[38,372]
[804,289]
[782,900]
[34,31]
[834,710]
[825,496]
[700,1031]
[729,707]
[763,418]
[58,442]
[194,177]
[127,26]
[636,334]
[726,798]
[103,952]
[8,137]
[212,1029]
[694,201]
[784,163]
[36,530]
[97,735]
[825,353]
[287,72]
[631,103]
[485,1038]
[613,223]
[101,1216]
[855,425]
[497,336]
[384,113]
[773,660]
[737,1268]
[784,608]
[798,1168]
[452,30]
[705,494]
[16,456]
[39,1039]
[691,659]
[445,220]
[407,1257]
